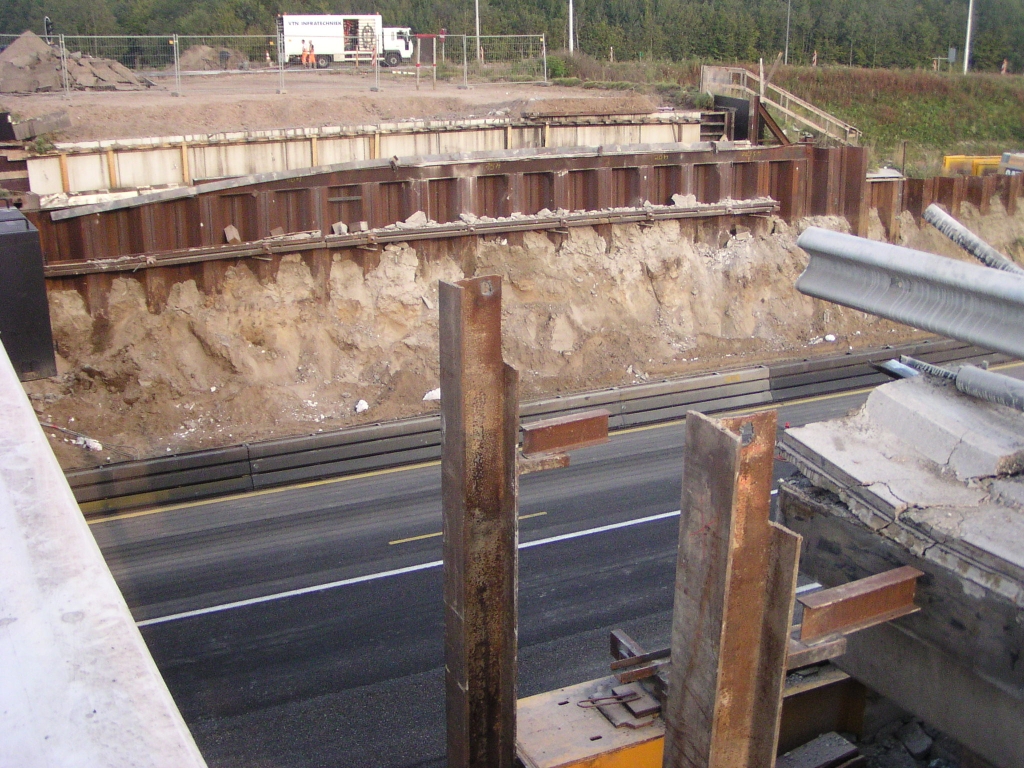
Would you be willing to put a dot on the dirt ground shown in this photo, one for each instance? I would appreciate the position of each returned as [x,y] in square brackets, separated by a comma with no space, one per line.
[249,101]
[259,360]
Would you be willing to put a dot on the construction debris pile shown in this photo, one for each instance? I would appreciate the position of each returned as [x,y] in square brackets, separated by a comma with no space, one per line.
[204,58]
[30,65]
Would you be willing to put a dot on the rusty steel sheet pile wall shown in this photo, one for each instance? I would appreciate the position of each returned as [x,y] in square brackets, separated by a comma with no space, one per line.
[383,193]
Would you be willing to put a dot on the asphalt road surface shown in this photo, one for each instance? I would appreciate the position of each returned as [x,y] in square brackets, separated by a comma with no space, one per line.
[303,626]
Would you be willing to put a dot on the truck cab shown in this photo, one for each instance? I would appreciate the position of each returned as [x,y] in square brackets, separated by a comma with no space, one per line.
[398,45]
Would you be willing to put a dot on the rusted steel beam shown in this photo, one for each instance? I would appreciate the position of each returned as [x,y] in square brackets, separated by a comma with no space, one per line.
[623,646]
[642,658]
[542,463]
[858,605]
[800,655]
[735,580]
[479,428]
[455,230]
[642,672]
[566,433]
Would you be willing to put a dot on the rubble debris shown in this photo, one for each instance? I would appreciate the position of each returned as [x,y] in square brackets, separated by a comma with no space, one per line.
[684,201]
[204,58]
[38,126]
[231,234]
[826,751]
[30,65]
[339,228]
[361,406]
[434,394]
[917,742]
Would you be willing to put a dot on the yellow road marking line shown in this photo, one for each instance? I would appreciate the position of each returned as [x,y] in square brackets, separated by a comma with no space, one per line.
[262,492]
[440,533]
[437,462]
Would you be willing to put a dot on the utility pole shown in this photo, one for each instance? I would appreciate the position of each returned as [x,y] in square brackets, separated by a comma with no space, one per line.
[789,8]
[967,43]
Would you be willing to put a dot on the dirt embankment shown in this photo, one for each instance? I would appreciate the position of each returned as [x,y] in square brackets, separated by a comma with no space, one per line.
[260,360]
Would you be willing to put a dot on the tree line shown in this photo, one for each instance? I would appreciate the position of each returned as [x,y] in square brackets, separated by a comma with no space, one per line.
[867,33]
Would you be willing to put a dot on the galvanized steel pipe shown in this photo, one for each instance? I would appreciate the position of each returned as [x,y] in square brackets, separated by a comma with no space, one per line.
[944,296]
[967,240]
[991,386]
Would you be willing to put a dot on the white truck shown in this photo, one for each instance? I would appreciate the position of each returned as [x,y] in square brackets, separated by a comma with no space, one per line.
[344,38]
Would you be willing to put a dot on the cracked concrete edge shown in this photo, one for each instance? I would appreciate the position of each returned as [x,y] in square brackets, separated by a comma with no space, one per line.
[965,560]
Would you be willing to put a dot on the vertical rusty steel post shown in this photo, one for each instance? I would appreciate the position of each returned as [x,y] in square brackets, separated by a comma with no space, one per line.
[735,582]
[479,427]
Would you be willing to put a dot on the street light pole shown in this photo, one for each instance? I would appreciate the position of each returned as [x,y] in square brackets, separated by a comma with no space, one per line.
[477,5]
[789,8]
[967,43]
[571,32]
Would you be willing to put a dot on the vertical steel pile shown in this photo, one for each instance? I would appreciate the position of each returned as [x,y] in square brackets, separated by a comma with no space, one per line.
[479,424]
[735,578]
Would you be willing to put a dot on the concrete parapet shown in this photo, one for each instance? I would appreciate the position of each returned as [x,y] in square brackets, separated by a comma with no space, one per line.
[79,686]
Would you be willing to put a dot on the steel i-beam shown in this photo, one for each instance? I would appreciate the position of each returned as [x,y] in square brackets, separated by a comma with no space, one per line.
[479,425]
[735,580]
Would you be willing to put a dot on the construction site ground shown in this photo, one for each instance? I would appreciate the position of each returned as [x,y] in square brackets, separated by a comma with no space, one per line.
[213,103]
[263,359]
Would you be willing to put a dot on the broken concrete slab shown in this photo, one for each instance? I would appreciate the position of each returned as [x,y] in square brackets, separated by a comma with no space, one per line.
[875,461]
[231,234]
[339,228]
[37,126]
[972,437]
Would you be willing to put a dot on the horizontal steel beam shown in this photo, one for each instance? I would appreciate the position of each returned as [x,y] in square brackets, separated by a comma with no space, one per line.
[566,433]
[860,604]
[963,301]
[263,248]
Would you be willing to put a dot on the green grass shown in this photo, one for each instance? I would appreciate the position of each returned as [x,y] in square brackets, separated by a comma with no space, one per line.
[935,113]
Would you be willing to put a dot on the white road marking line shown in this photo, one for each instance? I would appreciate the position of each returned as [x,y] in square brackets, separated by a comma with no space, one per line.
[387,574]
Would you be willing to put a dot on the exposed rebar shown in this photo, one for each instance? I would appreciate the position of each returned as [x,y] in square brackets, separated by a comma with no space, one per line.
[923,367]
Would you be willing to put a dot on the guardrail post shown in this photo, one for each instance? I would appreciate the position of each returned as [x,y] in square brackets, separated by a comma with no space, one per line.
[479,429]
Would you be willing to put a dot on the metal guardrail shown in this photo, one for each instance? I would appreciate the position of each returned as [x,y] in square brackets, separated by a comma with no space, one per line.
[236,469]
[976,304]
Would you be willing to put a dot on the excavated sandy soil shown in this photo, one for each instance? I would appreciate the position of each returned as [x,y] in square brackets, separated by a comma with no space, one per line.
[262,360]
[250,102]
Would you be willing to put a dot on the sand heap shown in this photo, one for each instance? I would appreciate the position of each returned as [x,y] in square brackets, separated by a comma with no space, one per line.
[200,58]
[30,65]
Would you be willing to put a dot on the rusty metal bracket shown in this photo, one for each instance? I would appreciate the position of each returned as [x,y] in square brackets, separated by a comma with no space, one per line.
[566,433]
[848,608]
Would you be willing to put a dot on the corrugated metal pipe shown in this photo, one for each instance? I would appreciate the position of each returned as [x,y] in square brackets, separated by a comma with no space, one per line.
[977,382]
[967,240]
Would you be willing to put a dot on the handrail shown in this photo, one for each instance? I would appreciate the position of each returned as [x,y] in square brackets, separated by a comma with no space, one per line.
[739,79]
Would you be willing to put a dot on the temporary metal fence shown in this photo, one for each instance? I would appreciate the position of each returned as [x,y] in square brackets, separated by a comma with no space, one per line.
[455,59]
